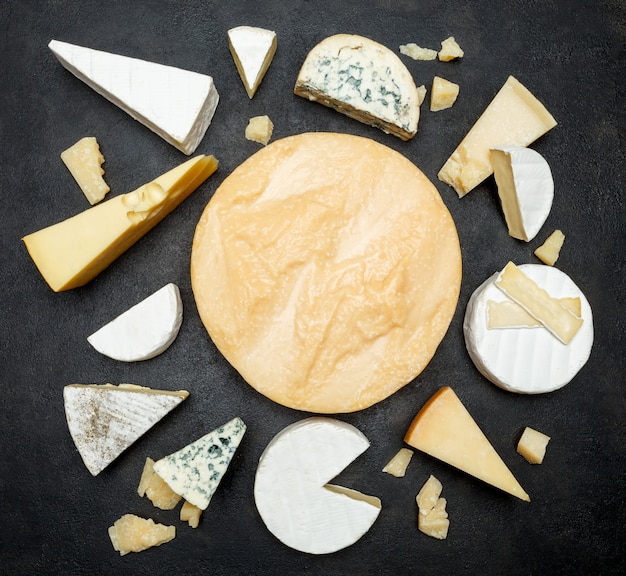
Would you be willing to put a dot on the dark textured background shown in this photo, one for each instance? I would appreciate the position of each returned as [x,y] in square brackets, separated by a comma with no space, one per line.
[54,515]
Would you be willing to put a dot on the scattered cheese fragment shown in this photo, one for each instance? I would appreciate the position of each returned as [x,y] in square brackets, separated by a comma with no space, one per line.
[450,50]
[417,53]
[133,534]
[532,445]
[190,514]
[549,251]
[253,50]
[259,129]
[156,489]
[509,314]
[84,161]
[443,94]
[428,495]
[398,464]
[421,94]
[538,303]
[436,522]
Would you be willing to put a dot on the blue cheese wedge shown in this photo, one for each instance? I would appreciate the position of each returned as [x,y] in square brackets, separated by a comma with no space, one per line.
[104,420]
[363,80]
[176,104]
[195,471]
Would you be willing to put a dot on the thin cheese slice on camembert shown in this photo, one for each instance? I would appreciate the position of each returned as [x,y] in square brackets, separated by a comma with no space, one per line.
[252,50]
[445,429]
[326,269]
[363,80]
[176,104]
[73,252]
[104,420]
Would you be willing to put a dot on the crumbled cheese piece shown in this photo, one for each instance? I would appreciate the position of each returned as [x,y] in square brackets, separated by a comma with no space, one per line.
[443,94]
[84,161]
[156,489]
[133,534]
[450,50]
[429,494]
[190,514]
[549,251]
[532,445]
[398,464]
[421,94]
[259,129]
[436,522]
[414,51]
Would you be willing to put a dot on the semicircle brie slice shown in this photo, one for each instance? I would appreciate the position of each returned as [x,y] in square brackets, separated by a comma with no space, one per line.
[363,80]
[326,269]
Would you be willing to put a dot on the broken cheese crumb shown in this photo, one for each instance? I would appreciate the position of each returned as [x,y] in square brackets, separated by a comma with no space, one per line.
[259,129]
[532,445]
[450,50]
[133,534]
[443,94]
[417,53]
[549,251]
[398,464]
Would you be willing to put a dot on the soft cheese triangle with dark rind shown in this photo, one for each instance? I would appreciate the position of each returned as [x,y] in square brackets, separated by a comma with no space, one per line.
[363,80]
[326,269]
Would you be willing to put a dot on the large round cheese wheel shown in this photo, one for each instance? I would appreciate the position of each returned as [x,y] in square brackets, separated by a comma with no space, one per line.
[326,269]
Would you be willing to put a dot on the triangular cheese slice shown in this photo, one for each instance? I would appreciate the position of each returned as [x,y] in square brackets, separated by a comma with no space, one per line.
[105,419]
[252,50]
[445,429]
[195,471]
[176,104]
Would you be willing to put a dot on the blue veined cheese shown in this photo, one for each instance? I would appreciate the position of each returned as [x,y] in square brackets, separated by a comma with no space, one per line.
[196,470]
[363,80]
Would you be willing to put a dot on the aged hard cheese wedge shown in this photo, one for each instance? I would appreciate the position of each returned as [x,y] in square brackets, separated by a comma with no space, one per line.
[445,429]
[195,471]
[292,493]
[326,269]
[527,359]
[364,80]
[176,104]
[84,161]
[525,187]
[143,331]
[252,50]
[513,118]
[71,253]
[104,420]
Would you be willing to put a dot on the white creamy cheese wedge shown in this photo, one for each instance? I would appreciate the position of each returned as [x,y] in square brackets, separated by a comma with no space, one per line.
[292,493]
[513,118]
[143,331]
[525,187]
[195,471]
[104,420]
[364,80]
[73,252]
[252,50]
[527,360]
[176,104]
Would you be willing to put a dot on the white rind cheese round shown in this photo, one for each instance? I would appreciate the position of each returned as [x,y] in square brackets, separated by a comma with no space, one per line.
[326,269]
[291,488]
[527,360]
[143,331]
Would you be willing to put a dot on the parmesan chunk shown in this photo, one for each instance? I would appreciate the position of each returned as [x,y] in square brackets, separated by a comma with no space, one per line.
[450,50]
[398,464]
[133,534]
[84,161]
[190,514]
[532,445]
[417,53]
[436,522]
[443,94]
[549,251]
[429,494]
[156,489]
[259,129]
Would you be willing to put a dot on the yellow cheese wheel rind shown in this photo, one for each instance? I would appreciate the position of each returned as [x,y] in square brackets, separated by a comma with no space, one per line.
[326,269]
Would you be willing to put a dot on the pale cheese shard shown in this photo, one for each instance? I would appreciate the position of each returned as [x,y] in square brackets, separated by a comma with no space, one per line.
[509,314]
[71,253]
[513,118]
[156,489]
[190,514]
[443,94]
[84,161]
[421,94]
[549,251]
[450,50]
[435,523]
[399,463]
[538,303]
[134,534]
[104,420]
[445,429]
[252,50]
[532,445]
[428,495]
[259,129]
[417,53]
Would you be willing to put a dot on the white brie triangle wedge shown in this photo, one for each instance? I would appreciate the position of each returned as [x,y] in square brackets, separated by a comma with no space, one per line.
[252,50]
[176,104]
[104,420]
[143,331]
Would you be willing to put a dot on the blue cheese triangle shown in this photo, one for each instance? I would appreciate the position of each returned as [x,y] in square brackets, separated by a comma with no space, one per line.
[195,471]
[104,420]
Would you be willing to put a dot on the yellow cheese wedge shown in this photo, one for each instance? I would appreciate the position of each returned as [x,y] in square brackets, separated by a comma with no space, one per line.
[326,269]
[71,253]
[445,429]
[558,319]
[509,314]
[513,118]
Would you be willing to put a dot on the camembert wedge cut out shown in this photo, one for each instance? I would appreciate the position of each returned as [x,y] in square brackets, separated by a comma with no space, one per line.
[445,429]
[104,420]
[253,50]
[73,252]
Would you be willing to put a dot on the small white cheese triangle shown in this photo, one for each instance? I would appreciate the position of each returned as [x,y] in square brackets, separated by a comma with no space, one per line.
[195,471]
[143,331]
[252,50]
[292,493]
[525,187]
[104,420]
[176,104]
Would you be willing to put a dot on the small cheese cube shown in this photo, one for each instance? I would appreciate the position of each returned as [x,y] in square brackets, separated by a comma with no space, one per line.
[84,161]
[414,51]
[156,489]
[532,445]
[133,534]
[436,522]
[443,94]
[190,514]
[450,50]
[259,129]
[549,251]
[429,494]
[398,464]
